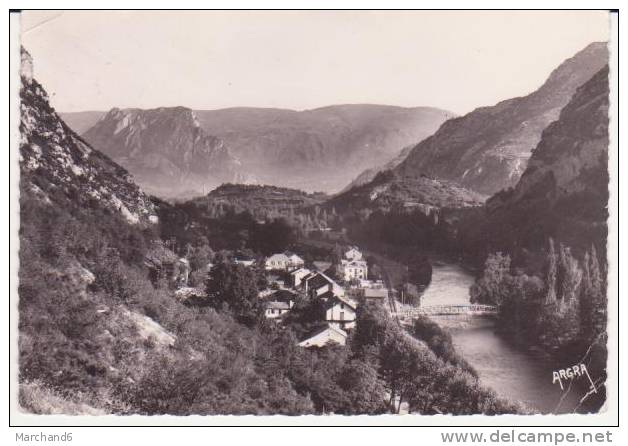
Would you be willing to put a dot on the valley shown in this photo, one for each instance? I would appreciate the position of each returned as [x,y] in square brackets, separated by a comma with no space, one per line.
[254,261]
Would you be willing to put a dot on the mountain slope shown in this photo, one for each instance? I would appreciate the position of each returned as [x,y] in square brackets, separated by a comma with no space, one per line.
[58,167]
[388,192]
[564,191]
[487,149]
[369,174]
[321,149]
[165,149]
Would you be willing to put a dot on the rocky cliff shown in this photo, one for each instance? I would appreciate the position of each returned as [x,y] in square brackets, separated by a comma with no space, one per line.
[167,151]
[58,166]
[488,149]
[563,192]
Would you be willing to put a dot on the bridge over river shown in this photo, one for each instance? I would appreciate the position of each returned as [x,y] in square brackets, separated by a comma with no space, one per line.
[447,310]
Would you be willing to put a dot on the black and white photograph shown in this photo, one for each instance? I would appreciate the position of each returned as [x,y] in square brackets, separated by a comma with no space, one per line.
[399,214]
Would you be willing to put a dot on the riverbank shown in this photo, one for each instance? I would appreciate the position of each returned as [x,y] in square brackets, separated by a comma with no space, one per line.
[515,372]
[523,375]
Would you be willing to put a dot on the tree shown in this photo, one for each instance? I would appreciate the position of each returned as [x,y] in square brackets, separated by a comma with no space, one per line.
[236,288]
[364,391]
[200,256]
[568,277]
[550,275]
[488,288]
[592,298]
[272,237]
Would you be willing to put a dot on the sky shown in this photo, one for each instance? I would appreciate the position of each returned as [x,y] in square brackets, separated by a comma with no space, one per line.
[454,60]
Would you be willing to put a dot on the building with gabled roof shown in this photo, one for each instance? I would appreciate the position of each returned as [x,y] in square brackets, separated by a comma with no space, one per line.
[318,283]
[325,335]
[297,276]
[340,311]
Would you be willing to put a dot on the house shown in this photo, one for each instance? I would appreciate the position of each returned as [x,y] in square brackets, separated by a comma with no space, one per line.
[377,294]
[325,335]
[297,275]
[283,296]
[277,261]
[275,308]
[372,284]
[352,270]
[341,311]
[317,283]
[294,261]
[353,253]
[245,262]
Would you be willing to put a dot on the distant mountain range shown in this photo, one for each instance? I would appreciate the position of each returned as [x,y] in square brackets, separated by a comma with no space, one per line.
[177,152]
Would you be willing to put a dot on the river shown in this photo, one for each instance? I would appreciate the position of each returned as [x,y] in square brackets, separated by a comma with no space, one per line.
[514,374]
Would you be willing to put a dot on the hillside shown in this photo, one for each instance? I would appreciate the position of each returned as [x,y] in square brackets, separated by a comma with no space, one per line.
[563,192]
[260,201]
[390,192]
[96,334]
[369,174]
[58,167]
[488,149]
[165,149]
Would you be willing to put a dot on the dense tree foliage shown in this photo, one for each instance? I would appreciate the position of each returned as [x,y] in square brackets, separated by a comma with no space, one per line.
[564,312]
[414,375]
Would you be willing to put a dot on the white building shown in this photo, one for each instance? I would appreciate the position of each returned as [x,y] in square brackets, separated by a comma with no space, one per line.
[284,261]
[341,311]
[297,276]
[277,261]
[294,261]
[325,335]
[274,309]
[352,270]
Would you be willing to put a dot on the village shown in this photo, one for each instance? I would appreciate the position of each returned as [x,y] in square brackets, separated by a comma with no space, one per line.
[336,287]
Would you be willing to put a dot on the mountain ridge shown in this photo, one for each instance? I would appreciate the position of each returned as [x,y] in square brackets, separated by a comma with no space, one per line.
[488,148]
[319,149]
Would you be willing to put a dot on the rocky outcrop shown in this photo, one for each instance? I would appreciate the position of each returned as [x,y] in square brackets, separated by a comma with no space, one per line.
[488,149]
[58,165]
[563,193]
